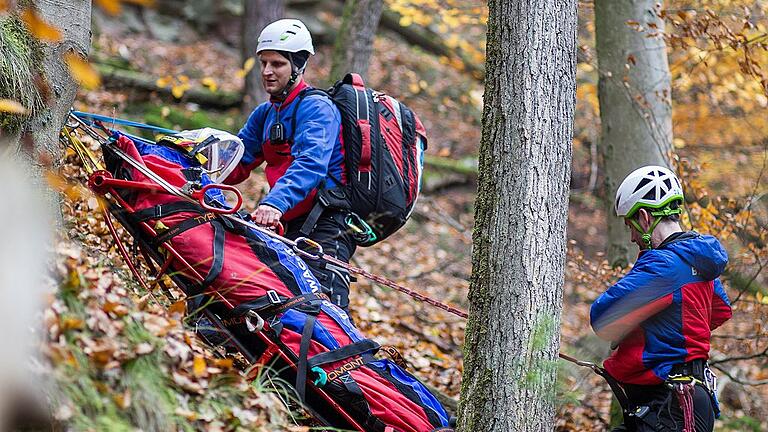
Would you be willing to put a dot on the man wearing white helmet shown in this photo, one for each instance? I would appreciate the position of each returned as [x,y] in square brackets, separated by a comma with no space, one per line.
[659,316]
[297,134]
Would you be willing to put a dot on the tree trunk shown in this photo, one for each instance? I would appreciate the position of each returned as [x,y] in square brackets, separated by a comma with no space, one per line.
[354,43]
[257,14]
[519,237]
[635,102]
[55,87]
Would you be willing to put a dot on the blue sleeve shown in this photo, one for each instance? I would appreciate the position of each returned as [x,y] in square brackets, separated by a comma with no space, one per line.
[644,291]
[252,133]
[317,131]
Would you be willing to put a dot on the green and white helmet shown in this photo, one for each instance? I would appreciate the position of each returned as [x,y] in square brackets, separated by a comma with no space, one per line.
[652,187]
[289,35]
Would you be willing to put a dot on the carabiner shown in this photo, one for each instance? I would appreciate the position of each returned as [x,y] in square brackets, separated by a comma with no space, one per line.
[322,376]
[308,253]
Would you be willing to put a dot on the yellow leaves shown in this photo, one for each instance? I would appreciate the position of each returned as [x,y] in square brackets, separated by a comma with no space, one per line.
[210,83]
[453,41]
[12,107]
[122,400]
[82,71]
[4,5]
[39,28]
[181,86]
[249,63]
[164,81]
[114,7]
[199,367]
[71,323]
[178,308]
[223,363]
[763,299]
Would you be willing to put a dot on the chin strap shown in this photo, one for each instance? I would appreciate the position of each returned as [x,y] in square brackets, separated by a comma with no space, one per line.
[658,215]
[294,75]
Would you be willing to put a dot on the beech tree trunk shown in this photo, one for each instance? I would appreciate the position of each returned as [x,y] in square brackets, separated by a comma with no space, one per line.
[635,102]
[257,14]
[36,138]
[354,43]
[519,240]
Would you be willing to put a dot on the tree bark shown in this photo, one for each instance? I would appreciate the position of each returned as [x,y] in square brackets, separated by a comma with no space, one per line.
[257,14]
[635,102]
[519,239]
[354,42]
[73,18]
[36,140]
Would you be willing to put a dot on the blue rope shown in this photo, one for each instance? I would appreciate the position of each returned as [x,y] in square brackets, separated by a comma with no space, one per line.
[122,122]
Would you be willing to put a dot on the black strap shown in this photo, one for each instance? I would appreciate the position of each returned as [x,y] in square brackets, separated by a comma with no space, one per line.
[182,227]
[210,140]
[162,210]
[618,391]
[218,258]
[267,306]
[347,351]
[301,366]
[694,368]
[309,224]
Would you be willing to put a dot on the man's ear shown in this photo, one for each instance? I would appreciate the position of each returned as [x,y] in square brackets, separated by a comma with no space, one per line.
[644,218]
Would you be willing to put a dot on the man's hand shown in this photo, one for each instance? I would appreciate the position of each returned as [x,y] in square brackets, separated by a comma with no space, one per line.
[267,216]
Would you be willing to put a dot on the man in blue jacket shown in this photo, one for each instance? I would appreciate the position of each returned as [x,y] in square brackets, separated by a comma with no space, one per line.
[659,317]
[298,136]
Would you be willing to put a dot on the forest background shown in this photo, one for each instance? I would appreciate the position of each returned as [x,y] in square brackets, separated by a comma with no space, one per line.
[179,64]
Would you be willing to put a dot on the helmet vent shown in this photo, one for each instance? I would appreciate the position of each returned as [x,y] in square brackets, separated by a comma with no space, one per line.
[651,194]
[642,183]
[668,183]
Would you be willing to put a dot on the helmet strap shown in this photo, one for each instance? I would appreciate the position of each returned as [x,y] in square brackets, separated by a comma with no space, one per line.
[292,80]
[657,216]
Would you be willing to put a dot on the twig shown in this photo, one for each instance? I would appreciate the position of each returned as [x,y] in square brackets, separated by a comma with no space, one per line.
[737,358]
[446,347]
[739,380]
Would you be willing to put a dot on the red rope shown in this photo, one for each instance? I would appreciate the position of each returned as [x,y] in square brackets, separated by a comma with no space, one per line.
[684,393]
[394,285]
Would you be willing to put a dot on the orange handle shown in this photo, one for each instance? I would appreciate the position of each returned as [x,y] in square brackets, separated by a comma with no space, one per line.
[230,188]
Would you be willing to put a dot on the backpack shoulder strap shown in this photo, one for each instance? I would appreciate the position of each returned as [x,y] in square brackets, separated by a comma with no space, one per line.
[303,94]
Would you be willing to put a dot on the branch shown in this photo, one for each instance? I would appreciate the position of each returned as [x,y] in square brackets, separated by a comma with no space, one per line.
[119,78]
[739,380]
[738,358]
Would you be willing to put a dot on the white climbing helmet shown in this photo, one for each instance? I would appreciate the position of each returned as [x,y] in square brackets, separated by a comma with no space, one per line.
[289,35]
[651,186]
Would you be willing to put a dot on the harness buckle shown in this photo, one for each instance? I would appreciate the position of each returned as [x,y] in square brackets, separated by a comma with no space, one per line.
[273,297]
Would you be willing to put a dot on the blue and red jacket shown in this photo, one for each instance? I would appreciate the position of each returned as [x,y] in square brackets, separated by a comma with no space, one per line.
[296,167]
[663,311]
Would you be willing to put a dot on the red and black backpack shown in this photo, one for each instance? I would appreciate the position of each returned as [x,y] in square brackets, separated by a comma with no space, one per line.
[383,143]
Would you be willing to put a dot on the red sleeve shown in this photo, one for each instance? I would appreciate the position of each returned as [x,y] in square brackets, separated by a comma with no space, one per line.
[242,172]
[721,307]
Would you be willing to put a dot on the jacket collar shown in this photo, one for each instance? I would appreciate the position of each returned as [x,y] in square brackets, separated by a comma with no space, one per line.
[291,96]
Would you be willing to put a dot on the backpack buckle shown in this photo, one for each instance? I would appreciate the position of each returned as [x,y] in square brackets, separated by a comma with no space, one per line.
[273,297]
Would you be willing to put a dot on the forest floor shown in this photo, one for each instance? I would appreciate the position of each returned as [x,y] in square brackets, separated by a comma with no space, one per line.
[432,253]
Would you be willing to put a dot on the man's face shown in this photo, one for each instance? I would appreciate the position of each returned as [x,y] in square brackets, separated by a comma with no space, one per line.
[275,72]
[635,236]
[643,219]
